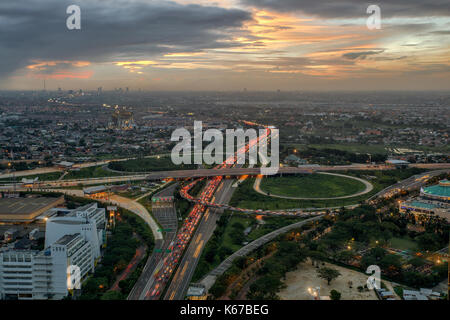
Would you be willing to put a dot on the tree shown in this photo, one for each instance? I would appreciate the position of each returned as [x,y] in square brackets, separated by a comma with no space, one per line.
[391,261]
[335,295]
[378,253]
[112,295]
[328,274]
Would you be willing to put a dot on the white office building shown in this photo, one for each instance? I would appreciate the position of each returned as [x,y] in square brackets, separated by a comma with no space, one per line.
[58,227]
[72,247]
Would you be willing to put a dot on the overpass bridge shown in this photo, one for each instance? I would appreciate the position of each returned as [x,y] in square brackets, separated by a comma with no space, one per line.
[308,169]
[207,173]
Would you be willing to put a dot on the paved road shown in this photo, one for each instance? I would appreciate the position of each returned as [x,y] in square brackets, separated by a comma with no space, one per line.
[167,218]
[200,173]
[119,201]
[58,169]
[211,277]
[408,184]
[182,278]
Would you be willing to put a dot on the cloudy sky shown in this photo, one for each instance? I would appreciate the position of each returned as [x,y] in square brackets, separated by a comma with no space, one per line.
[225,45]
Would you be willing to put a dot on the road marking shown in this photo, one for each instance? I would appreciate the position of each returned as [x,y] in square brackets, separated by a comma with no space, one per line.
[184,269]
[198,238]
[199,248]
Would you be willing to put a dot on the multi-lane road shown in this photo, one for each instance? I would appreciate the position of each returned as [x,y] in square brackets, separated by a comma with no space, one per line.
[166,216]
[209,173]
[182,278]
[201,173]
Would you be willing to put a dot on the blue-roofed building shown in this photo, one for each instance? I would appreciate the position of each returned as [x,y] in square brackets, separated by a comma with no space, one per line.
[440,192]
[433,200]
[397,163]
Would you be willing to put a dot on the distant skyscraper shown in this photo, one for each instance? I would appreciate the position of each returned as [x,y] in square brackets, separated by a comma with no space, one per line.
[99,91]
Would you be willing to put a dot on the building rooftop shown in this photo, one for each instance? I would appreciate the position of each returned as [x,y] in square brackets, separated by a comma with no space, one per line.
[64,221]
[419,204]
[95,189]
[395,161]
[442,189]
[26,209]
[67,239]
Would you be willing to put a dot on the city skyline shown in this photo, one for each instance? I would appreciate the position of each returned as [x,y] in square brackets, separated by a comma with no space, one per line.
[225,45]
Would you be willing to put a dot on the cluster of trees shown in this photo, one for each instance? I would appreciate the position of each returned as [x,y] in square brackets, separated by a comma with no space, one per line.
[215,250]
[431,241]
[89,172]
[336,156]
[182,205]
[418,279]
[391,264]
[120,250]
[274,269]
[195,191]
[148,164]
[237,233]
[364,227]
[20,166]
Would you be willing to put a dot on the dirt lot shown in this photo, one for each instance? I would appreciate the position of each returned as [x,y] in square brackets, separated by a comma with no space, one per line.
[305,276]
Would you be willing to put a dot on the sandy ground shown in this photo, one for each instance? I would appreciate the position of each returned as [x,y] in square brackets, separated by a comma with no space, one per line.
[305,276]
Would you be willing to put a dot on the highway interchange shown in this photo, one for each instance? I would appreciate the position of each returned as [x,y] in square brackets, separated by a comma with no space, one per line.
[169,269]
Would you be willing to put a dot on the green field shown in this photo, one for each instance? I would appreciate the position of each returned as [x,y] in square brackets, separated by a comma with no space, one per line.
[402,244]
[246,197]
[311,186]
[354,147]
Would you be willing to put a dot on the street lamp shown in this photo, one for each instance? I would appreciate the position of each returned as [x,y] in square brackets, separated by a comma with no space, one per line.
[314,292]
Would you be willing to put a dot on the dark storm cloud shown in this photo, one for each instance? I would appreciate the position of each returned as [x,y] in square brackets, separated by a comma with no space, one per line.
[36,30]
[357,8]
[360,55]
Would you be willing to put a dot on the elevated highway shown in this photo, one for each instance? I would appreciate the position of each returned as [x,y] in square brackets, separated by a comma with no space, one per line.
[206,173]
